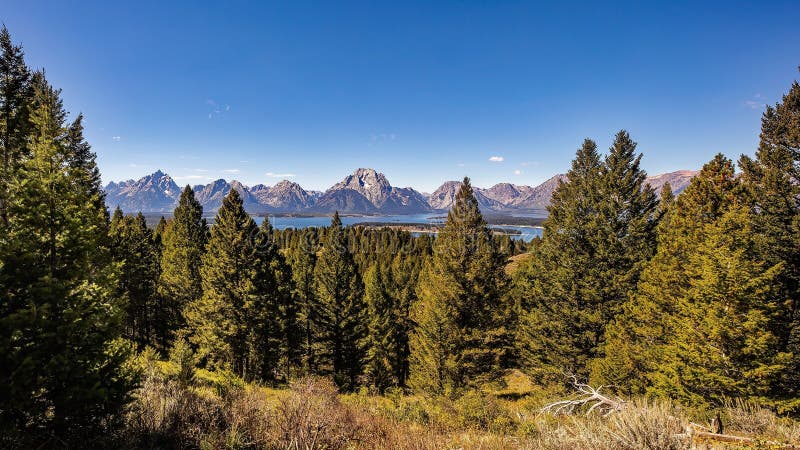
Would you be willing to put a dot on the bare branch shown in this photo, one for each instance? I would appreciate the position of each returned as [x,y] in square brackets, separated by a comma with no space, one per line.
[587,397]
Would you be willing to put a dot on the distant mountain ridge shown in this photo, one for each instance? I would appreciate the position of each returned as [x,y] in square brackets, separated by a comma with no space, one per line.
[365,191]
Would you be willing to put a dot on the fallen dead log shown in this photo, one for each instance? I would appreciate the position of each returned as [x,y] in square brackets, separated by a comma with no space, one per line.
[708,437]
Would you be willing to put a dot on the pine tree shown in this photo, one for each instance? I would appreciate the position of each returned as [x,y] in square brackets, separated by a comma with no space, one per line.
[460,337]
[381,345]
[722,343]
[302,258]
[405,277]
[184,242]
[600,233]
[772,181]
[556,285]
[635,341]
[64,376]
[134,250]
[83,165]
[279,280]
[15,91]
[235,323]
[341,317]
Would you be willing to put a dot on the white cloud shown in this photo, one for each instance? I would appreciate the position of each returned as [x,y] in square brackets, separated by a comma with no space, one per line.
[497,159]
[280,175]
[116,138]
[217,110]
[190,177]
[231,171]
[201,170]
[517,172]
[460,164]
[756,103]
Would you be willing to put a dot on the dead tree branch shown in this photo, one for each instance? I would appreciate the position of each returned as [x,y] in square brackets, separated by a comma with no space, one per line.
[587,397]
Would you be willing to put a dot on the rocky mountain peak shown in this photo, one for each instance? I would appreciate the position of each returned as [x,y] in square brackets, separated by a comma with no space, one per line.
[371,184]
[364,191]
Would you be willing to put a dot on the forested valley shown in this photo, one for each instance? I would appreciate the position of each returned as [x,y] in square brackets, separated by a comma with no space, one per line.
[685,309]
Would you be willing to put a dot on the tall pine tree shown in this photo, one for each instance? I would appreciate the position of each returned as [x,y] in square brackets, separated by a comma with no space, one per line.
[722,343]
[235,324]
[773,181]
[381,356]
[341,317]
[600,232]
[635,340]
[303,258]
[134,250]
[277,278]
[62,361]
[460,337]
[15,92]
[184,242]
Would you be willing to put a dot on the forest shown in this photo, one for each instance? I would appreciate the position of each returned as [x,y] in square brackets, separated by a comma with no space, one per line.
[684,309]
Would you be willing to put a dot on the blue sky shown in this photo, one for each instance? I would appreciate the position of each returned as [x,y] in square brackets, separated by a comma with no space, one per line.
[422,91]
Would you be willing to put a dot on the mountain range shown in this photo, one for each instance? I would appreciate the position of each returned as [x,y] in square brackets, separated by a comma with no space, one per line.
[365,191]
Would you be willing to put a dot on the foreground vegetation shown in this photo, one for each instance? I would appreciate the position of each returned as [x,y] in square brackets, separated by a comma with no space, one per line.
[221,411]
[115,334]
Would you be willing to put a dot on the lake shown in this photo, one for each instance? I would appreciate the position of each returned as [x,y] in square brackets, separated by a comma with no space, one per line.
[281,222]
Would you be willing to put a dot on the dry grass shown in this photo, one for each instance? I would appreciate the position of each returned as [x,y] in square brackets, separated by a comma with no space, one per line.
[222,412]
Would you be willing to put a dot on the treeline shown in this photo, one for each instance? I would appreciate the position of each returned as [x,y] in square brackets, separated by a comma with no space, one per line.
[693,298]
[272,305]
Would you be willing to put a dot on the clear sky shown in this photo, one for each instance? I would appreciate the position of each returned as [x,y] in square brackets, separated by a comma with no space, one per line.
[423,91]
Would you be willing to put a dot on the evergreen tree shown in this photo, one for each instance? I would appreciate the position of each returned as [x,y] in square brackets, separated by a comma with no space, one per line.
[279,280]
[557,284]
[635,342]
[184,242]
[63,365]
[303,259]
[460,337]
[405,277]
[381,354]
[235,323]
[341,318]
[83,165]
[135,252]
[600,232]
[722,344]
[772,181]
[15,92]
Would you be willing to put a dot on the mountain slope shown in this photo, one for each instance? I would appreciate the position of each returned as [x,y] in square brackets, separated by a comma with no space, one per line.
[368,191]
[284,196]
[444,197]
[365,191]
[153,193]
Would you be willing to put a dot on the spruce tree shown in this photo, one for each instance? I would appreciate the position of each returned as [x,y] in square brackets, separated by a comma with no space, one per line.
[302,258]
[556,285]
[722,344]
[235,324]
[405,272]
[341,316]
[382,334]
[772,182]
[460,337]
[64,374]
[277,278]
[184,242]
[15,92]
[635,341]
[135,252]
[600,232]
